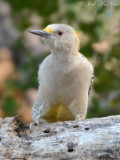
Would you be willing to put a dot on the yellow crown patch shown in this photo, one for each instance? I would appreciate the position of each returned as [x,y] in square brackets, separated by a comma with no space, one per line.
[48,30]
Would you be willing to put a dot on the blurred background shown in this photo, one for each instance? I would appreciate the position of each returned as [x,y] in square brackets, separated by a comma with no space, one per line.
[98,27]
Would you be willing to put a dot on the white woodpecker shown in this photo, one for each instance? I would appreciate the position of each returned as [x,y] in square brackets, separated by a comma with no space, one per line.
[65,77]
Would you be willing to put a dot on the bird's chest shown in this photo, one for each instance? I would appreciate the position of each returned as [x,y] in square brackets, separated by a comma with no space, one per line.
[59,79]
[53,75]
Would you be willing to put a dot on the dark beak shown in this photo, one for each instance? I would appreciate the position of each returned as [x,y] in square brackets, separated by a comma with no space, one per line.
[40,33]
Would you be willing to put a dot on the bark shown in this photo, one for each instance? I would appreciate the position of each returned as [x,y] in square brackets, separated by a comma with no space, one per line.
[90,139]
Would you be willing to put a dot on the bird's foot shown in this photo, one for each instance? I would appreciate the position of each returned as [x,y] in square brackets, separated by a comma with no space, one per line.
[31,126]
[78,117]
[35,124]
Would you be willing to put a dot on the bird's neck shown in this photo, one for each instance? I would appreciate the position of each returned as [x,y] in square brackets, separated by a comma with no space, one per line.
[63,57]
[65,53]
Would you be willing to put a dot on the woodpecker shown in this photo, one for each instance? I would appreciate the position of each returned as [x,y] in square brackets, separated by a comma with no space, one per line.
[65,77]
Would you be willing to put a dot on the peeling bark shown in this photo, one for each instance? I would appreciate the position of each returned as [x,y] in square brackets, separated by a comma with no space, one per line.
[90,139]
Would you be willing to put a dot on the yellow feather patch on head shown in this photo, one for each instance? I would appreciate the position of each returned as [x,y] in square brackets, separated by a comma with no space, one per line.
[78,42]
[75,33]
[48,29]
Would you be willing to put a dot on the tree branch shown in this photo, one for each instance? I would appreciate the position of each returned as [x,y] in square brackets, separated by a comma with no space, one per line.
[90,139]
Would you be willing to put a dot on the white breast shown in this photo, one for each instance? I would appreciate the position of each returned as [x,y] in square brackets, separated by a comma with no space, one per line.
[62,79]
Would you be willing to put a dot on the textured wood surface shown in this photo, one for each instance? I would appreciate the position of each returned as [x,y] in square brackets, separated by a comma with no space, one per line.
[90,139]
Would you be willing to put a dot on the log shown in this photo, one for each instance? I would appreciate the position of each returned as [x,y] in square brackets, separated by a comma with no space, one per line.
[90,139]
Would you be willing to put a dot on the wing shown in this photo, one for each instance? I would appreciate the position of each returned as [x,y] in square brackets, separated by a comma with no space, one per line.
[39,75]
[91,83]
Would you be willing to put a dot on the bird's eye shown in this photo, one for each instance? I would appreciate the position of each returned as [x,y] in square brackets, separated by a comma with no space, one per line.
[60,33]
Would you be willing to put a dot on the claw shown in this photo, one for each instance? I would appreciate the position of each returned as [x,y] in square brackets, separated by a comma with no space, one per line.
[31,126]
[77,118]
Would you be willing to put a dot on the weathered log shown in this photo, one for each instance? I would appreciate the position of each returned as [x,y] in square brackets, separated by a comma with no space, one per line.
[90,139]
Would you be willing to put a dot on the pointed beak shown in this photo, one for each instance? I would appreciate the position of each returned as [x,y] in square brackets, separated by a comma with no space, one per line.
[40,33]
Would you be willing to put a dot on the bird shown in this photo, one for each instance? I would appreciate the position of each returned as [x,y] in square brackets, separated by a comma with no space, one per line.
[65,77]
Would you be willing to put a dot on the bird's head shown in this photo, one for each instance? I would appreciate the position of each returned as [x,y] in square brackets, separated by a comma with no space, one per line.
[59,38]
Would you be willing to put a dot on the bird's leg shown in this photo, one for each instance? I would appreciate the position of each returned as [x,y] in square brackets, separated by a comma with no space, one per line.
[78,112]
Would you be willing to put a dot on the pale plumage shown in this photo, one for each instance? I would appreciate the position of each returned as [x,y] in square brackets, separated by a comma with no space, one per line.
[64,76]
